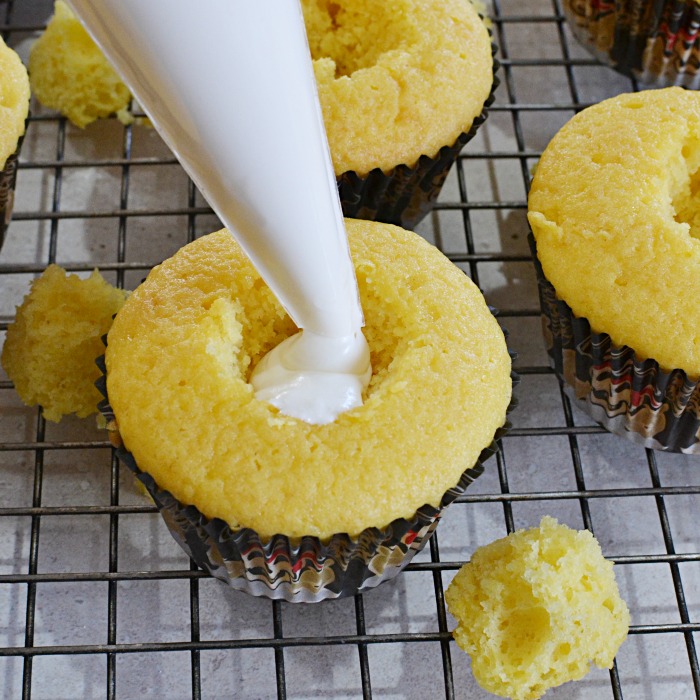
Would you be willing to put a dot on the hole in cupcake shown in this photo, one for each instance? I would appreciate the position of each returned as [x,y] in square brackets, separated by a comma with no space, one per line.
[355,35]
[383,346]
[265,325]
[686,203]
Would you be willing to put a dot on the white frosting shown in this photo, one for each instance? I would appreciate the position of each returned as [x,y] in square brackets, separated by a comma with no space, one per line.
[231,90]
[313,377]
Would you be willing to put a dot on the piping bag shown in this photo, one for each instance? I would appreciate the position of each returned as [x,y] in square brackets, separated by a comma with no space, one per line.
[229,85]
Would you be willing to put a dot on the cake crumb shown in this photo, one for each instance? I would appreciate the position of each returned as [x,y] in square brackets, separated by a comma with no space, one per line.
[69,73]
[51,347]
[534,609]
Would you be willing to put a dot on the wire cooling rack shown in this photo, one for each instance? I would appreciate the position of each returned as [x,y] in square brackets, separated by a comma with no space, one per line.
[96,599]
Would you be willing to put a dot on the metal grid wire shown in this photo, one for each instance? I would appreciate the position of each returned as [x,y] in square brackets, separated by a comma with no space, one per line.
[97,601]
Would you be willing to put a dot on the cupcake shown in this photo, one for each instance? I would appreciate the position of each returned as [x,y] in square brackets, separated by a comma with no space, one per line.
[70,74]
[615,215]
[14,110]
[50,347]
[655,42]
[403,85]
[271,504]
[534,609]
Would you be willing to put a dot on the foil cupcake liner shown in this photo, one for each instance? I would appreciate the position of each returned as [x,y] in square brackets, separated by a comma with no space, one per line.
[655,42]
[8,180]
[406,194]
[306,569]
[627,394]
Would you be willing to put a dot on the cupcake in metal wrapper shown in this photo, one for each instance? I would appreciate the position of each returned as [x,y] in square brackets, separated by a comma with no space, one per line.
[177,366]
[306,569]
[402,87]
[405,195]
[627,394]
[655,42]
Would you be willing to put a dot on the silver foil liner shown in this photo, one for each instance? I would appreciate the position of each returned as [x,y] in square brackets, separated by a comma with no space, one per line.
[655,41]
[406,194]
[8,179]
[628,395]
[306,569]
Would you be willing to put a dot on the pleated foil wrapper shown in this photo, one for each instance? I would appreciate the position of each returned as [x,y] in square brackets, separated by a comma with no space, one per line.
[8,179]
[406,194]
[306,569]
[627,394]
[654,41]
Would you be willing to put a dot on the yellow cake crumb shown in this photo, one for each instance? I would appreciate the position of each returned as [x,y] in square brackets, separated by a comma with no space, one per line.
[51,347]
[14,101]
[534,609]
[69,73]
[397,79]
[182,348]
[615,209]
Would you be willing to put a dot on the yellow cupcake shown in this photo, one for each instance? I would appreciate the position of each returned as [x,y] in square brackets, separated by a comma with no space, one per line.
[14,101]
[69,73]
[51,347]
[614,208]
[182,348]
[535,608]
[397,79]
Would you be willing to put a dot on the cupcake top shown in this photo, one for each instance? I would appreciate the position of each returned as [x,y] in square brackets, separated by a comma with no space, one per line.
[69,73]
[615,210]
[14,101]
[397,79]
[182,348]
[535,608]
[50,348]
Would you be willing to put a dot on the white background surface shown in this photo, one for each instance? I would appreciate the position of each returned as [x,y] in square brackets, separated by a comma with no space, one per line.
[96,599]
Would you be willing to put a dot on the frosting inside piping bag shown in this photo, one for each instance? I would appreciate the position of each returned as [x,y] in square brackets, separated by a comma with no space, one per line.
[229,85]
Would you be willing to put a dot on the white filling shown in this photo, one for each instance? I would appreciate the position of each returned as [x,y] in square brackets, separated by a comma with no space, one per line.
[314,378]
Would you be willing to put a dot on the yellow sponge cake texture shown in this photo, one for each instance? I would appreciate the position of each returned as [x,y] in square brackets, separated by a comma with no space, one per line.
[397,79]
[535,608]
[615,210]
[50,349]
[182,348]
[14,101]
[69,73]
